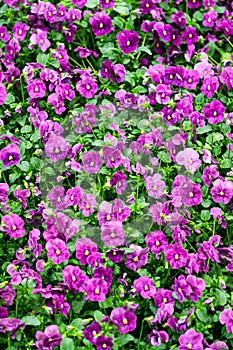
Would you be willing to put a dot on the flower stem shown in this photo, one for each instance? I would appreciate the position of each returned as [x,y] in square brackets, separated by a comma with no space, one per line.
[21,86]
[140,336]
[229,42]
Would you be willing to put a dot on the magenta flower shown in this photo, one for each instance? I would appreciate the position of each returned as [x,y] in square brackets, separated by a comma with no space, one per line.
[40,38]
[226,317]
[96,289]
[127,41]
[191,340]
[3,93]
[22,195]
[49,338]
[91,162]
[4,35]
[190,35]
[13,225]
[10,155]
[222,191]
[84,247]
[107,4]
[74,278]
[214,112]
[210,18]
[163,93]
[124,320]
[210,85]
[176,256]
[101,23]
[145,287]
[156,241]
[57,250]
[36,88]
[87,87]
[20,30]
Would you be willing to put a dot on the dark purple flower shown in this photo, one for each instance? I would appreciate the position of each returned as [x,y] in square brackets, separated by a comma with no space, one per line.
[90,332]
[127,41]
[22,195]
[120,180]
[136,259]
[115,255]
[158,337]
[124,320]
[193,4]
[190,35]
[101,23]
[10,155]
[102,342]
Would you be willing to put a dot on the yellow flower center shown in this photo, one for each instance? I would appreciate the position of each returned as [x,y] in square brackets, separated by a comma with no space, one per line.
[165,300]
[36,89]
[97,291]
[14,228]
[73,278]
[221,193]
[92,164]
[57,150]
[87,206]
[146,287]
[190,36]
[191,194]
[176,257]
[125,321]
[157,243]
[20,32]
[10,158]
[209,20]
[88,87]
[58,252]
[135,259]
[101,25]
[164,33]
[113,235]
[215,113]
[86,252]
[128,43]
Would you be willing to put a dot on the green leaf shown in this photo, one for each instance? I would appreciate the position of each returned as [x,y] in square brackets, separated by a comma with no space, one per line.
[42,58]
[205,215]
[164,156]
[144,49]
[198,15]
[226,163]
[221,297]
[219,9]
[77,306]
[107,303]
[122,10]
[211,47]
[26,129]
[126,338]
[204,129]
[13,177]
[24,166]
[119,22]
[31,321]
[9,99]
[67,344]
[92,4]
[202,315]
[98,315]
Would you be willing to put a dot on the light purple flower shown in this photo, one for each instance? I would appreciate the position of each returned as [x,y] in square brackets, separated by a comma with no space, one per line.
[125,320]
[191,340]
[91,162]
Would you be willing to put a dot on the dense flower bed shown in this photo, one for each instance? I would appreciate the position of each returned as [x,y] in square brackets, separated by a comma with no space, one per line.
[116,174]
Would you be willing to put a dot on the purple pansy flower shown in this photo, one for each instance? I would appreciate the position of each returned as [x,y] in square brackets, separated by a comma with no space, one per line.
[127,41]
[125,320]
[49,338]
[176,256]
[214,112]
[191,340]
[101,23]
[57,250]
[10,155]
[91,162]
